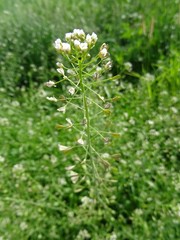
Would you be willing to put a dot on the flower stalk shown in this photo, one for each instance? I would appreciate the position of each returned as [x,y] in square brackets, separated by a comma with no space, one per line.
[86,112]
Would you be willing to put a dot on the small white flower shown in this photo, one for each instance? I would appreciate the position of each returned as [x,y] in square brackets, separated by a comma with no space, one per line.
[57,44]
[86,200]
[103,53]
[4,121]
[23,226]
[74,178]
[18,168]
[69,121]
[52,99]
[113,236]
[78,33]
[83,234]
[77,43]
[69,168]
[60,65]
[108,65]
[50,84]
[66,47]
[149,77]
[15,104]
[101,97]
[128,66]
[61,71]
[62,181]
[91,39]
[174,110]
[105,155]
[53,159]
[83,46]
[62,109]
[88,39]
[94,38]
[150,122]
[2,159]
[80,141]
[71,90]
[68,36]
[72,173]
[71,72]
[138,211]
[63,148]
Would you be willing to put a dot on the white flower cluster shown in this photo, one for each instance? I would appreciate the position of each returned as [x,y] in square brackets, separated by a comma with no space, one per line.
[76,40]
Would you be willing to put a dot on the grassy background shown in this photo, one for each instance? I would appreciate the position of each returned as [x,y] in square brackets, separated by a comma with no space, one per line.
[37,199]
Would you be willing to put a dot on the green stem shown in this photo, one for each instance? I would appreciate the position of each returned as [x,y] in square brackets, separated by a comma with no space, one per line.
[93,171]
[86,111]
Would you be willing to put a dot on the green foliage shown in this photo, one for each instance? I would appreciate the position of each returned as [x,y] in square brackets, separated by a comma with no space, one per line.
[139,32]
[38,200]
[140,190]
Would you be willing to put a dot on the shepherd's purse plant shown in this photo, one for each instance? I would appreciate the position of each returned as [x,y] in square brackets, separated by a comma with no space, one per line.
[85,103]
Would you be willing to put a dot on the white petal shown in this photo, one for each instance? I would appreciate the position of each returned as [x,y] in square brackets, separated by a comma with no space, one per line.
[53,99]
[61,71]
[63,148]
[69,121]
[71,90]
[62,109]
[80,141]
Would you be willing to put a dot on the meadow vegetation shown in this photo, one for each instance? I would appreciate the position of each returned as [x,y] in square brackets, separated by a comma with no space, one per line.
[136,195]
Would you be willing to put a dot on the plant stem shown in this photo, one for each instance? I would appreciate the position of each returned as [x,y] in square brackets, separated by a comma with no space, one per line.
[86,111]
[93,171]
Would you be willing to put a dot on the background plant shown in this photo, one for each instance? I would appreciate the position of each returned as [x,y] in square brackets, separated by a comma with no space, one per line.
[37,197]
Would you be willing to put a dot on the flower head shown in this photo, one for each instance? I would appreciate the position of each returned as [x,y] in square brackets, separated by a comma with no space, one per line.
[76,40]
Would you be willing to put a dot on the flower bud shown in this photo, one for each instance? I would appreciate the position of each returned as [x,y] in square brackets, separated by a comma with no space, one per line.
[77,43]
[68,36]
[103,51]
[50,84]
[61,71]
[57,44]
[66,47]
[83,46]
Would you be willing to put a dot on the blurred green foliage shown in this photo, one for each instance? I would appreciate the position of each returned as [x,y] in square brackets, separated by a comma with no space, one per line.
[37,198]
[140,32]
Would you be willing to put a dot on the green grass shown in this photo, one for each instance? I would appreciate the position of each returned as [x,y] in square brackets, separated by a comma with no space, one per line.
[38,199]
[140,198]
